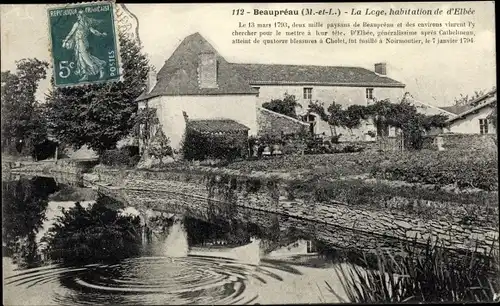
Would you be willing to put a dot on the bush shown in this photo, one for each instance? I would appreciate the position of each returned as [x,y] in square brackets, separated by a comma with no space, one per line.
[126,156]
[434,275]
[198,146]
[465,169]
[294,143]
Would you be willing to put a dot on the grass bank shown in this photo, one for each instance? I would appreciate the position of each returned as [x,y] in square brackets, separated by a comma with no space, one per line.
[464,169]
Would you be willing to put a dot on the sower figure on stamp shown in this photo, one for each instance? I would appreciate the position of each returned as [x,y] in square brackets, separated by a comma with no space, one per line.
[77,39]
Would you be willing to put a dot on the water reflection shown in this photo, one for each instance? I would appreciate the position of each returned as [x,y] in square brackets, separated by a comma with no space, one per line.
[127,258]
[24,204]
[156,280]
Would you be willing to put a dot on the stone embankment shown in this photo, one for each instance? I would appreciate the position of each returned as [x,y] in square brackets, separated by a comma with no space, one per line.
[267,200]
[383,224]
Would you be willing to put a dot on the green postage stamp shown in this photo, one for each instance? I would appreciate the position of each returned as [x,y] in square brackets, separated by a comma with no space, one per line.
[84,44]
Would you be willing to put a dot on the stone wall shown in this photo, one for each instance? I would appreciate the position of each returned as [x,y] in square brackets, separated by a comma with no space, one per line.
[363,227]
[462,142]
[49,167]
[271,123]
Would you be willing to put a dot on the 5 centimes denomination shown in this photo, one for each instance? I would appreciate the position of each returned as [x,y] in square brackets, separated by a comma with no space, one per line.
[84,43]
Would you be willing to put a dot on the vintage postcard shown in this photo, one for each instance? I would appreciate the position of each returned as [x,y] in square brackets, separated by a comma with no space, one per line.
[249,153]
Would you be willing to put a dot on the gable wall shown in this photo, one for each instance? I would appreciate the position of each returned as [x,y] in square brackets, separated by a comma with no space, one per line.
[241,108]
[470,123]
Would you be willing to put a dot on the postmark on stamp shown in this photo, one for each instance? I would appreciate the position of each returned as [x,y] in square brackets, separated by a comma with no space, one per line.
[84,44]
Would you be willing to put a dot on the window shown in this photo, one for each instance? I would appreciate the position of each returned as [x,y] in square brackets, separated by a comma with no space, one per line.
[308,93]
[369,93]
[483,126]
[310,118]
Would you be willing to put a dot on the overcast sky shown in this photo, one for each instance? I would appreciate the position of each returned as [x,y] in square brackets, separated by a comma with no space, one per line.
[433,74]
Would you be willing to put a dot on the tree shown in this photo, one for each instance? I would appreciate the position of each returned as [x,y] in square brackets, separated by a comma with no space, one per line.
[336,116]
[23,124]
[285,106]
[467,99]
[24,204]
[95,233]
[99,115]
[404,116]
[319,109]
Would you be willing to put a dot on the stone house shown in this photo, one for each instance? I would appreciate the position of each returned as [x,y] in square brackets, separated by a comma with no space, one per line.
[324,84]
[474,118]
[198,81]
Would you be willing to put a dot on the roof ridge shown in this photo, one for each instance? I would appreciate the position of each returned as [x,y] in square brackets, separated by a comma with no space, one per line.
[466,112]
[301,65]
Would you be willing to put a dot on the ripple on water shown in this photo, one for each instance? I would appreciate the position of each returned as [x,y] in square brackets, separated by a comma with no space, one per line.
[151,280]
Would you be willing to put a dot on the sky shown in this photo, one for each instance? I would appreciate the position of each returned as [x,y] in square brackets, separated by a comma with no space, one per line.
[432,74]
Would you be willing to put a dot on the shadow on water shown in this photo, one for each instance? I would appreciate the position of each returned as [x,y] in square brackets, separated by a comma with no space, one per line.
[97,255]
[24,204]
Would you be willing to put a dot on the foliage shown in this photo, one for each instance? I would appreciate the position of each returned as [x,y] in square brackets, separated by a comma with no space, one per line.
[146,118]
[120,157]
[198,146]
[385,114]
[23,124]
[412,200]
[318,108]
[99,115]
[464,168]
[434,275]
[320,146]
[285,106]
[71,193]
[472,170]
[354,114]
[24,203]
[467,99]
[93,234]
[160,145]
[293,143]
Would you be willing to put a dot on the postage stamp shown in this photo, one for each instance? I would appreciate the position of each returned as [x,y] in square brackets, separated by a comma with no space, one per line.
[84,44]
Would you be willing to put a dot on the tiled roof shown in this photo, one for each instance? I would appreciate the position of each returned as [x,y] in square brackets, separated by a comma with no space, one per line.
[216,125]
[315,75]
[488,99]
[179,75]
[457,109]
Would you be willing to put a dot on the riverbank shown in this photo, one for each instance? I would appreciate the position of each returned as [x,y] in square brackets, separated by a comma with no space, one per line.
[361,210]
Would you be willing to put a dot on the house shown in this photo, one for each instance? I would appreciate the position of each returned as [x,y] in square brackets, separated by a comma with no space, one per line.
[197,81]
[325,84]
[473,118]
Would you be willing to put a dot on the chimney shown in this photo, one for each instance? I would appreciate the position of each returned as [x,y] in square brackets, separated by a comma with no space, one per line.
[380,68]
[207,71]
[151,80]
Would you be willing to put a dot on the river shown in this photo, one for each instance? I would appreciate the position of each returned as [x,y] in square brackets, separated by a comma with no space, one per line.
[181,259]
